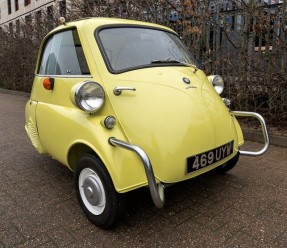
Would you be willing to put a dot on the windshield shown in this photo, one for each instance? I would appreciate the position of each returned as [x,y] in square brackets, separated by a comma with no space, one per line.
[128,48]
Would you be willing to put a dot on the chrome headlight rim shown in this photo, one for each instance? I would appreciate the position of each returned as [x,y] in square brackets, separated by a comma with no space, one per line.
[217,82]
[82,104]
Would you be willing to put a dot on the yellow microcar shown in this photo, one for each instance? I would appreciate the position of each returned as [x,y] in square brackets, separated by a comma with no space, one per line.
[124,105]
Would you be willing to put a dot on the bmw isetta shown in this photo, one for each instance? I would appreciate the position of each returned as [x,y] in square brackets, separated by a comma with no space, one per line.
[124,105]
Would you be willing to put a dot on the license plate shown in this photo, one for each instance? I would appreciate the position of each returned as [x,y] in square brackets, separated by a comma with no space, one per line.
[205,159]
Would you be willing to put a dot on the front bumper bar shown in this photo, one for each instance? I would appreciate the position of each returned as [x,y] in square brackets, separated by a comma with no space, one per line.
[264,131]
[156,190]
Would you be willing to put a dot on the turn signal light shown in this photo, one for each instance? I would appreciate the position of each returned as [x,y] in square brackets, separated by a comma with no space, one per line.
[110,122]
[48,83]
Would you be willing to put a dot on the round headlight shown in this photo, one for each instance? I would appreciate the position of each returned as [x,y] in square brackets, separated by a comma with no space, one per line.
[89,96]
[217,83]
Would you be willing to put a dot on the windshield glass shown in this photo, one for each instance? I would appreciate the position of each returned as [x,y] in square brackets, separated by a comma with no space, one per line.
[129,48]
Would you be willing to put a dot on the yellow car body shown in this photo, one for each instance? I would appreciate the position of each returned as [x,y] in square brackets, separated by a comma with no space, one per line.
[172,112]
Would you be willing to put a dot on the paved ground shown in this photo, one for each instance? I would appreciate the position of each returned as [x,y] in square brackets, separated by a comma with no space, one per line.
[38,207]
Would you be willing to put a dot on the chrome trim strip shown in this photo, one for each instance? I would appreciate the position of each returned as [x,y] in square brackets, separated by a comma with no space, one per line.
[65,76]
[264,131]
[156,190]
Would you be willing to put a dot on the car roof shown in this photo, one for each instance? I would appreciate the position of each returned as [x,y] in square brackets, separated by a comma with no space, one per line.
[105,21]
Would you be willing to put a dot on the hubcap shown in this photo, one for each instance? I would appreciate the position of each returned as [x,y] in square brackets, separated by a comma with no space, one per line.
[92,191]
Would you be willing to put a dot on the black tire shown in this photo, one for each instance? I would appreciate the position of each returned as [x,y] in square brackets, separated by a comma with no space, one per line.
[228,165]
[96,194]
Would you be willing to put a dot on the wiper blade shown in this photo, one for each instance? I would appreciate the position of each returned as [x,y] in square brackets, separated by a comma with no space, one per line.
[173,61]
[163,61]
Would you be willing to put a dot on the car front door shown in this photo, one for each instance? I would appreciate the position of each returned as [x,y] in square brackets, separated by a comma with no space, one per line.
[62,65]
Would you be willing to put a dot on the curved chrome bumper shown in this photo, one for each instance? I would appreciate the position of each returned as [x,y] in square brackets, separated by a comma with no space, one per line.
[264,131]
[156,190]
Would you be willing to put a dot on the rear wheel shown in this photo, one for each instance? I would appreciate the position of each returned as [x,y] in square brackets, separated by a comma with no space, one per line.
[95,191]
[228,165]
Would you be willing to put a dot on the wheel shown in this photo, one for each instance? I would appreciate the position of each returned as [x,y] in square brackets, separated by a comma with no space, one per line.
[228,165]
[96,194]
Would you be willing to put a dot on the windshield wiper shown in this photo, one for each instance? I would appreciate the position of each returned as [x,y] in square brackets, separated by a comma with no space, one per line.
[173,61]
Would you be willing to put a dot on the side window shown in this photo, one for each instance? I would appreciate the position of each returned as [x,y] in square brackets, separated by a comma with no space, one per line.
[63,55]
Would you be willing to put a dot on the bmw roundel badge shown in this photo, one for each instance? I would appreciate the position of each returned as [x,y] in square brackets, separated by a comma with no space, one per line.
[186,80]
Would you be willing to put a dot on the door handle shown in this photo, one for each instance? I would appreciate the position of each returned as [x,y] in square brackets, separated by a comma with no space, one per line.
[118,90]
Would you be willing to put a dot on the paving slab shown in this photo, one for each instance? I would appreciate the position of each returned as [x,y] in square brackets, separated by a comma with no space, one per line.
[243,208]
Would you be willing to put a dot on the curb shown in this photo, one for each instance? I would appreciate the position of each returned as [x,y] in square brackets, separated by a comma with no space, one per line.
[14,92]
[248,135]
[256,136]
